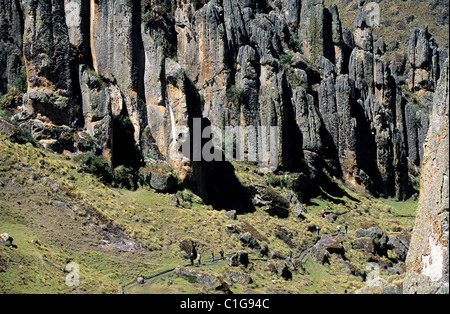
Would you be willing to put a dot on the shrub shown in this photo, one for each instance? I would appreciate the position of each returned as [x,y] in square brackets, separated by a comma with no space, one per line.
[22,135]
[278,181]
[286,60]
[294,42]
[124,177]
[21,81]
[96,165]
[12,98]
[235,94]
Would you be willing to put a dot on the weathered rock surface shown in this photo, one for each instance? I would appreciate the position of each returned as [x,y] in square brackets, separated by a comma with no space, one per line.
[11,41]
[212,281]
[134,75]
[238,277]
[239,258]
[46,49]
[428,258]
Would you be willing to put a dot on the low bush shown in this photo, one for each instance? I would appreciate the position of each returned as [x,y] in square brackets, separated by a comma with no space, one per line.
[96,165]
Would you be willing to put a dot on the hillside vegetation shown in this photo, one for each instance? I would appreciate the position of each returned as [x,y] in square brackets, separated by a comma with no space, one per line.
[57,215]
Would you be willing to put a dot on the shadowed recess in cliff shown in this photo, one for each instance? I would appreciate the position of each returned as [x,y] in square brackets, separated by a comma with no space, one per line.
[215,181]
[124,147]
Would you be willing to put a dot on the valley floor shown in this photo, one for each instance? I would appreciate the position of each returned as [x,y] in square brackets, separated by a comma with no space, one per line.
[58,215]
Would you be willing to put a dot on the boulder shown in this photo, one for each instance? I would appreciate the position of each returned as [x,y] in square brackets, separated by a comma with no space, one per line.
[365,243]
[188,246]
[238,277]
[140,280]
[377,235]
[230,229]
[319,254]
[238,258]
[284,235]
[248,240]
[3,266]
[7,128]
[299,210]
[283,270]
[231,214]
[276,255]
[331,244]
[162,183]
[212,281]
[398,245]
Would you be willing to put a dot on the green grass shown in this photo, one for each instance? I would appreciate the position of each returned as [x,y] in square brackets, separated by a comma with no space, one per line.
[35,183]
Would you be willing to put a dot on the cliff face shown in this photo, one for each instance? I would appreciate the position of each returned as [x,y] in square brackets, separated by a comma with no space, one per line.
[427,258]
[11,41]
[131,74]
[126,79]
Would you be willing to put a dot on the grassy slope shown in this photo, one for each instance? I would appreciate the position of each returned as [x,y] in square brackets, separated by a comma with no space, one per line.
[44,198]
[392,19]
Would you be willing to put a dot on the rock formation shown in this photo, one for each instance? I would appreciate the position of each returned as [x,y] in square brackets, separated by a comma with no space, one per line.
[126,79]
[427,258]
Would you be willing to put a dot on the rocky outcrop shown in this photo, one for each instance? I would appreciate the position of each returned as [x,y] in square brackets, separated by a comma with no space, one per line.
[46,49]
[210,280]
[134,74]
[97,110]
[237,259]
[428,258]
[425,63]
[426,60]
[11,41]
[117,53]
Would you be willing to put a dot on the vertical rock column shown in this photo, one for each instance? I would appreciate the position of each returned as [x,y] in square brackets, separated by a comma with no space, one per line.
[46,50]
[11,31]
[117,54]
[428,259]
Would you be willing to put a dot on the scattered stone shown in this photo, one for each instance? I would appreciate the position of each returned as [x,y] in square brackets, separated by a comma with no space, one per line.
[399,246]
[231,214]
[238,277]
[230,229]
[248,240]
